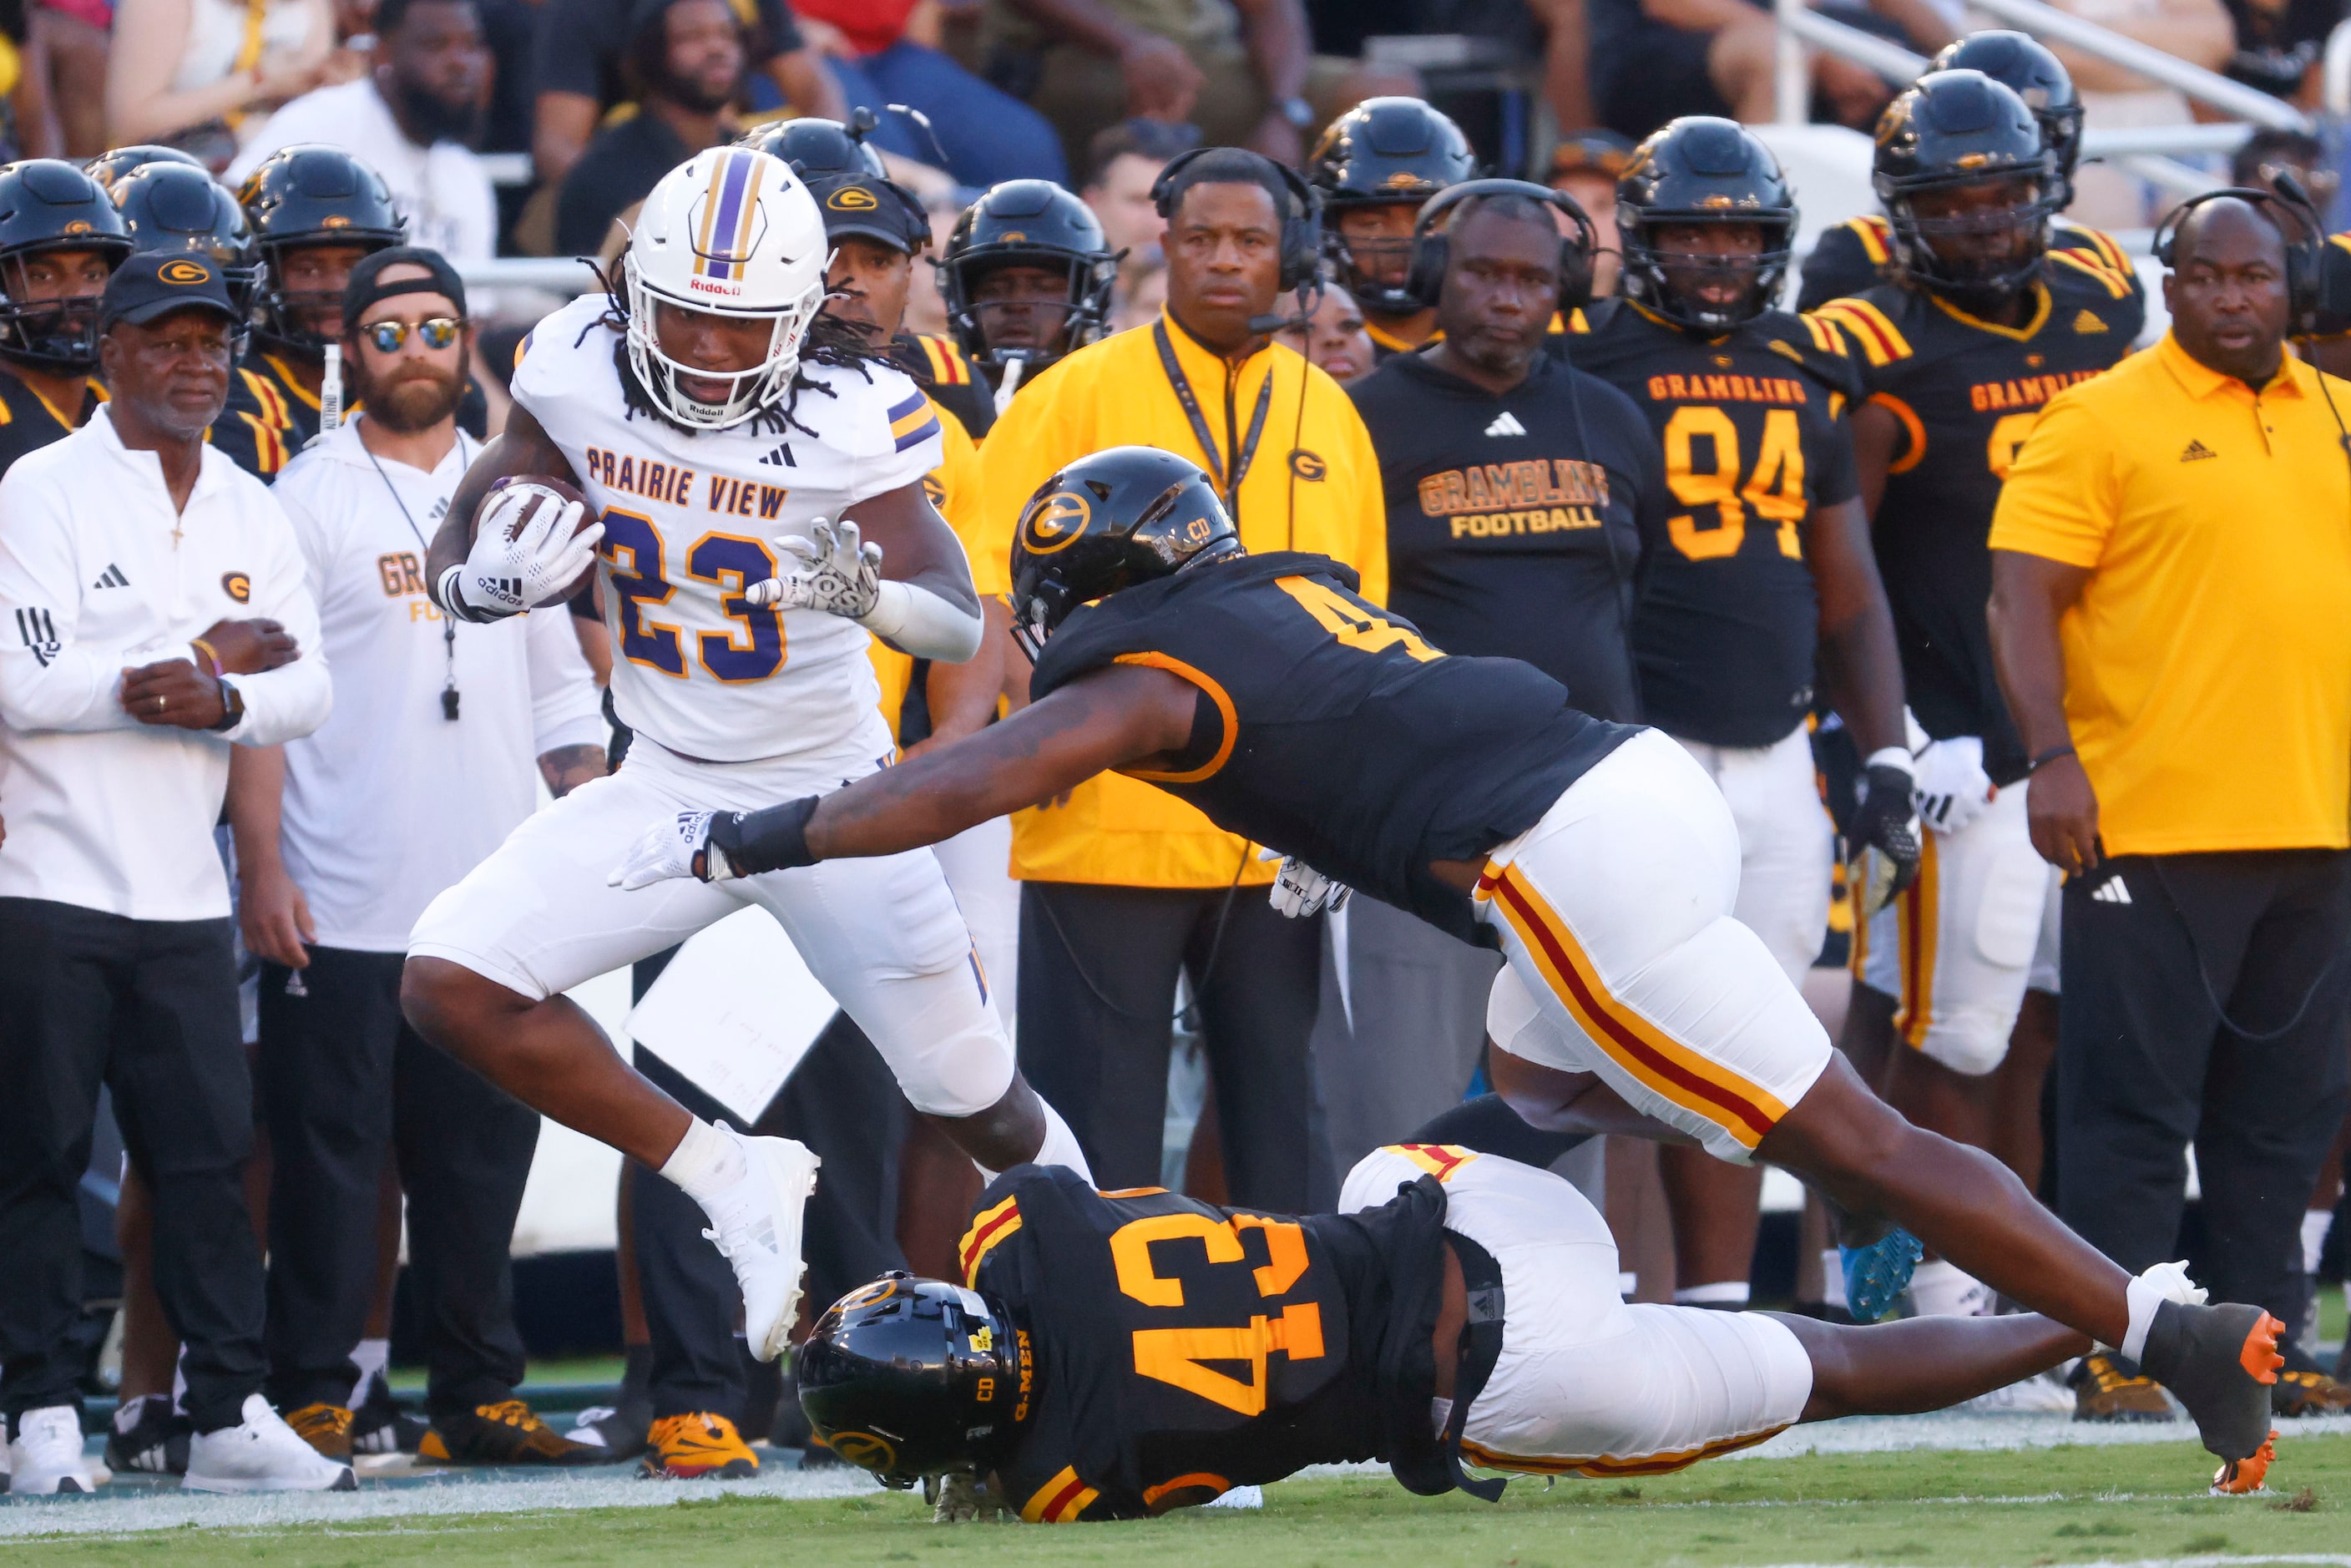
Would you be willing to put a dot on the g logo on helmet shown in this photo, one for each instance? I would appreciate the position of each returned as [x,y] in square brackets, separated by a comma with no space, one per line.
[866,1295]
[184,273]
[851,199]
[237,586]
[864,1450]
[1055,522]
[334,221]
[78,227]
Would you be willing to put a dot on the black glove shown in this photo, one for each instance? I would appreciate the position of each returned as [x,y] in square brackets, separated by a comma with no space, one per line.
[1887,821]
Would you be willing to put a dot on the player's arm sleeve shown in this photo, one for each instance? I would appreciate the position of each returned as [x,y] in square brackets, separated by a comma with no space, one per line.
[565,707]
[2063,494]
[292,700]
[48,680]
[1366,519]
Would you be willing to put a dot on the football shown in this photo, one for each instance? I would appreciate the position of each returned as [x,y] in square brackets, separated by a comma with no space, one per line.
[530,509]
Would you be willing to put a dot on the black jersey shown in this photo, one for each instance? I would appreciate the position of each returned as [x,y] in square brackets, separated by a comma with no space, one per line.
[1858,253]
[1966,393]
[1170,1350]
[1508,535]
[954,384]
[1754,430]
[1328,730]
[29,421]
[271,415]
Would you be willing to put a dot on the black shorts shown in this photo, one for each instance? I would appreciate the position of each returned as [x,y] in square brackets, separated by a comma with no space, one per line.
[1654,74]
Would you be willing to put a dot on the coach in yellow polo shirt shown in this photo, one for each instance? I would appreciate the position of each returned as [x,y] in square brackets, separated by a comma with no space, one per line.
[2171,614]
[1123,884]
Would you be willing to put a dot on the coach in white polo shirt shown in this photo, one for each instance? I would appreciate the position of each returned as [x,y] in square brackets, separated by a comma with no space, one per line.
[424,769]
[153,608]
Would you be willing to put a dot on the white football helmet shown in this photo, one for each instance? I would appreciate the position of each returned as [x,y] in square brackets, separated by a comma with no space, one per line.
[731,231]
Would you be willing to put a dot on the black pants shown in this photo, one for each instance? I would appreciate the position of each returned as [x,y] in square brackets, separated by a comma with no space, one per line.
[148,1008]
[345,1084]
[2147,1065]
[1097,968]
[842,1101]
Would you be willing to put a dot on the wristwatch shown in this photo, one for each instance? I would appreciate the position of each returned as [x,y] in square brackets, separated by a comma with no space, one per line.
[1298,111]
[232,708]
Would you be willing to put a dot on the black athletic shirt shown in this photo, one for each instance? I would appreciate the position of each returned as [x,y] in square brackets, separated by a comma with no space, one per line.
[1328,730]
[1858,253]
[1506,536]
[1966,393]
[1754,430]
[1171,1350]
[27,422]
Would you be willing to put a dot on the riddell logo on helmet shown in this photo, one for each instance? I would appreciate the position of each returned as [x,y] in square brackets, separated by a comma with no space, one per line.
[705,286]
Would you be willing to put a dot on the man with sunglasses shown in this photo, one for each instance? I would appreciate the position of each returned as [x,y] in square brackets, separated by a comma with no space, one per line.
[342,838]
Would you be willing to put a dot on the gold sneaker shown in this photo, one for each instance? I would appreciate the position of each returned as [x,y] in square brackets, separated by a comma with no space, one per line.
[326,1427]
[689,1447]
[2103,1391]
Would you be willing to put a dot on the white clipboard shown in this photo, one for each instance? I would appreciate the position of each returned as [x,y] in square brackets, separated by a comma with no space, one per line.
[735,1011]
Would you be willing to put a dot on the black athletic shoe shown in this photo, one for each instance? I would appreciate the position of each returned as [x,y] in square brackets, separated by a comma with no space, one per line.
[157,1443]
[379,1426]
[2220,1362]
[2304,1389]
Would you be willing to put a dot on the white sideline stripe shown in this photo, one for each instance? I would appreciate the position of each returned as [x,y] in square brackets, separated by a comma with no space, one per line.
[2328,1559]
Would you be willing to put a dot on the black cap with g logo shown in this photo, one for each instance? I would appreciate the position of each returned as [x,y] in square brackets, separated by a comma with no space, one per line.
[155,283]
[869,207]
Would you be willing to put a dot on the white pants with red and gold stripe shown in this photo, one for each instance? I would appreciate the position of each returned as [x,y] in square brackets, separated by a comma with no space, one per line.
[1625,959]
[1586,1384]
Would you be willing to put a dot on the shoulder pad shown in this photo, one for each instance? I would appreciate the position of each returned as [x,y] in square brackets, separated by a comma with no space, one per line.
[2094,242]
[943,361]
[2084,270]
[1816,346]
[1867,326]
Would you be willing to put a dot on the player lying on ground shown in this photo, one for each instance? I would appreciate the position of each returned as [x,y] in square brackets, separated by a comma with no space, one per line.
[1599,857]
[1117,1354]
[703,405]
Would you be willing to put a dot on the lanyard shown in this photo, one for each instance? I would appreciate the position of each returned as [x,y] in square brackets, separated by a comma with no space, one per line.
[448,622]
[1183,387]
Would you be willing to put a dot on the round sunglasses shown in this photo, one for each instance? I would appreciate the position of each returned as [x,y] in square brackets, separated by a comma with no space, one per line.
[389,336]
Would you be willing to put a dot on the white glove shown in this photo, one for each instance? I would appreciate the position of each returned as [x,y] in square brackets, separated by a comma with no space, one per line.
[1298,890]
[1953,788]
[833,570]
[668,850]
[505,576]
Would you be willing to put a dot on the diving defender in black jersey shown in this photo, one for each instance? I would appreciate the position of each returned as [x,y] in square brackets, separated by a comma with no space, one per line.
[1599,857]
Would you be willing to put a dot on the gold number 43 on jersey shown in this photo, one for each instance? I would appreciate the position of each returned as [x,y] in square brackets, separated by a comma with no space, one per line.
[1182,1356]
[1775,488]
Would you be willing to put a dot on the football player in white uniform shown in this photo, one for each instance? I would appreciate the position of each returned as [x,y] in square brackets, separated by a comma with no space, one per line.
[758,476]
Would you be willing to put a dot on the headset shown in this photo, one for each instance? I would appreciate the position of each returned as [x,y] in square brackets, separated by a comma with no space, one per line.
[2304,259]
[1430,249]
[1302,225]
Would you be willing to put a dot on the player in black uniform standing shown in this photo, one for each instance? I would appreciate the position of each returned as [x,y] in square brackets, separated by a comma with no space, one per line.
[1982,328]
[1763,573]
[60,240]
[1026,279]
[1377,166]
[1599,857]
[1859,252]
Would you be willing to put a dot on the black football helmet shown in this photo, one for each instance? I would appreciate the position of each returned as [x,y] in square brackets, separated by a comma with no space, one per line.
[1119,517]
[115,163]
[171,206]
[1702,170]
[312,195]
[48,204]
[1947,131]
[1383,151]
[2027,68]
[1028,222]
[910,1378]
[815,148]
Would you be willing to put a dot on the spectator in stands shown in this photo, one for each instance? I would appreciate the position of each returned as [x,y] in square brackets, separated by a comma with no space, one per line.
[2267,154]
[581,58]
[1122,165]
[2278,45]
[687,57]
[2113,98]
[412,119]
[68,43]
[197,74]
[1585,165]
[875,50]
[1244,71]
[1330,334]
[1655,60]
[1142,296]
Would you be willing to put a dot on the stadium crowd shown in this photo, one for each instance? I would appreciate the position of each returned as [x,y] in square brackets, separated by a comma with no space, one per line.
[1925,642]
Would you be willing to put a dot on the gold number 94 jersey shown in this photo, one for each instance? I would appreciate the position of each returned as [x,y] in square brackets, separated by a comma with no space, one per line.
[690,521]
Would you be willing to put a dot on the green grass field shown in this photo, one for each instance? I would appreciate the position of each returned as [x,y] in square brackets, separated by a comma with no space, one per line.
[2024,1509]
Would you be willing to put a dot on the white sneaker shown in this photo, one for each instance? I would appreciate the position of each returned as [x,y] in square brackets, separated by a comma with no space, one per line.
[1238,1497]
[756,1226]
[44,1456]
[2041,1393]
[261,1453]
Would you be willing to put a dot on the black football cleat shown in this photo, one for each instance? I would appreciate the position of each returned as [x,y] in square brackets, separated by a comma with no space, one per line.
[2220,1362]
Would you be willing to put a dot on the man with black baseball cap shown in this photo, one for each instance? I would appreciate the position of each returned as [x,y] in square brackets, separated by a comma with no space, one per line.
[157,598]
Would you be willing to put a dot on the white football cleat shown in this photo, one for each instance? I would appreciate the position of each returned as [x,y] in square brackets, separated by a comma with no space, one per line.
[44,1456]
[261,1453]
[756,1224]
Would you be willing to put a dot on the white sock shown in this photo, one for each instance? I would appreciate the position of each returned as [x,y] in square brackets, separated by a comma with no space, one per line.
[2314,1222]
[1722,1292]
[1059,1148]
[371,1356]
[1833,1272]
[705,1163]
[2164,1283]
[180,1383]
[1941,1289]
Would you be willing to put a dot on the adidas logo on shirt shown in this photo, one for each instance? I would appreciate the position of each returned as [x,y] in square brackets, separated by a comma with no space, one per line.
[1506,423]
[40,634]
[2197,453]
[2110,891]
[781,457]
[112,578]
[2086,323]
